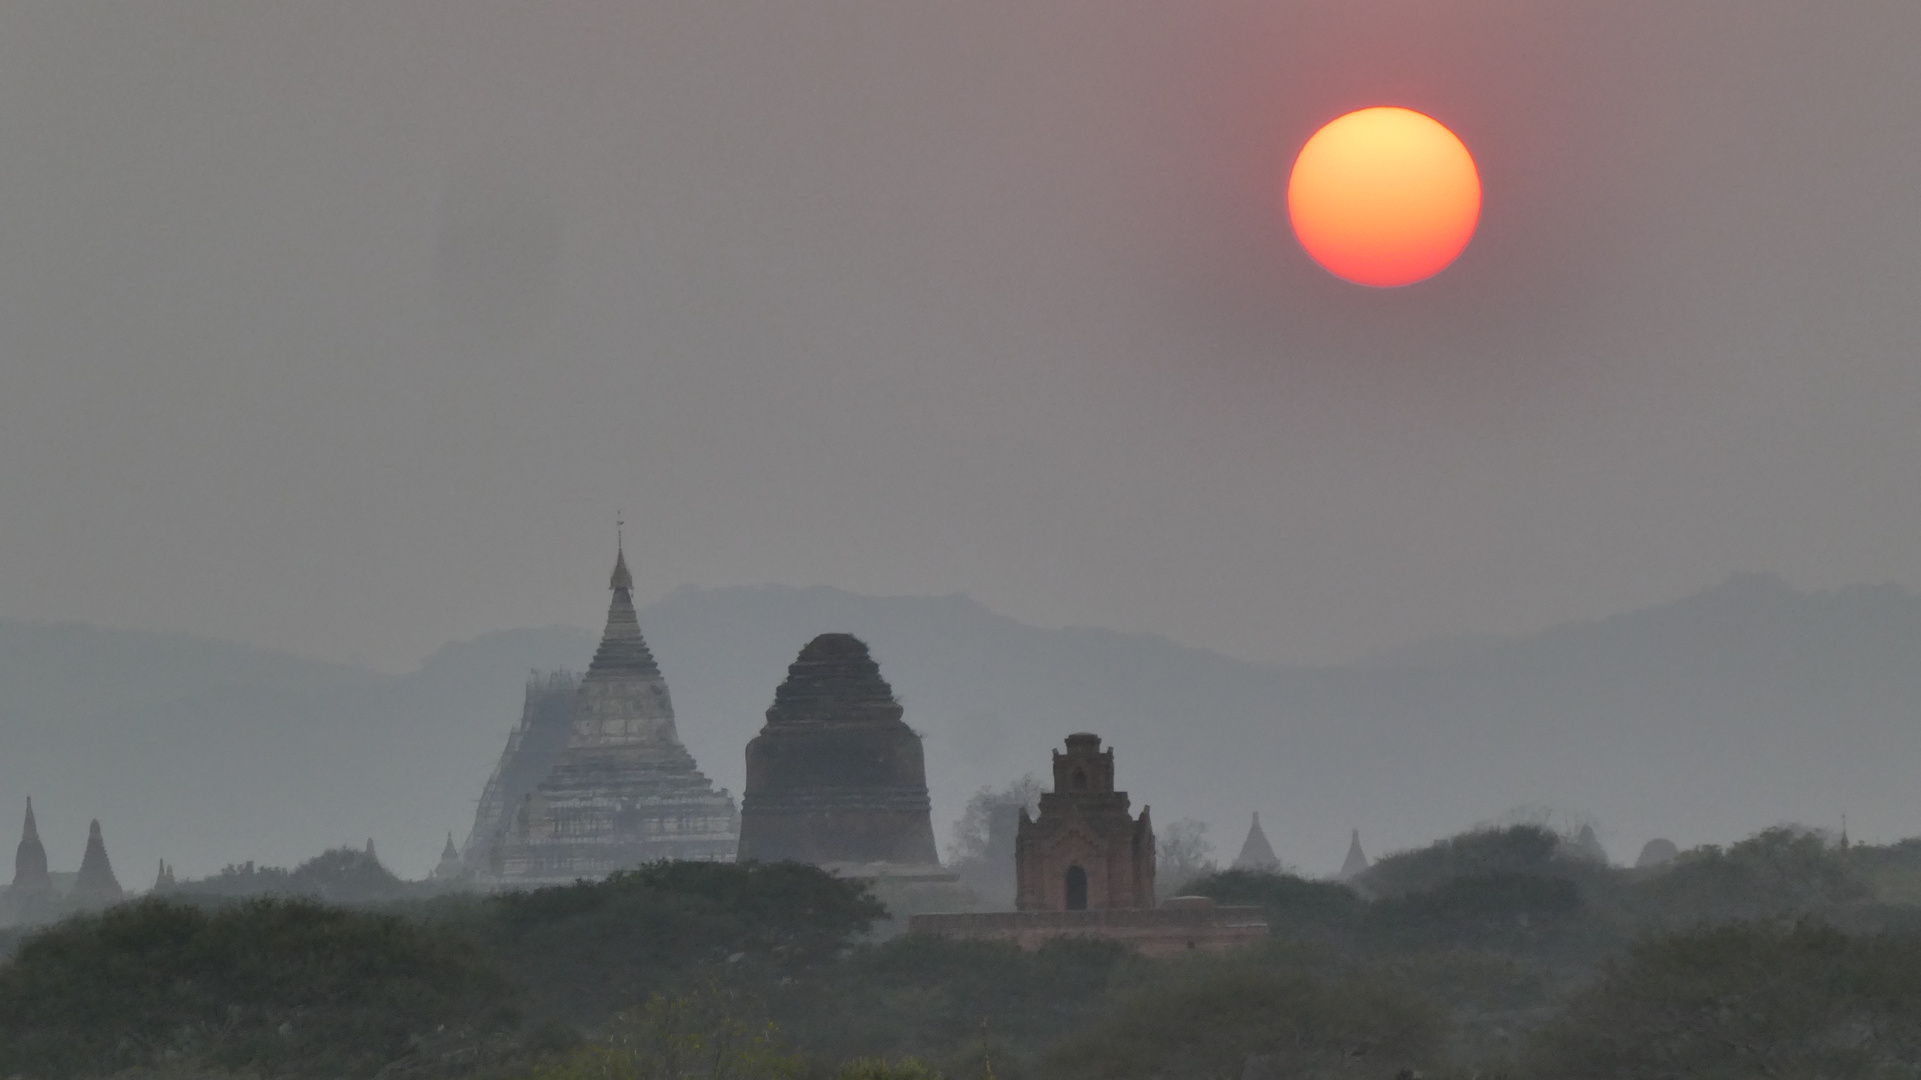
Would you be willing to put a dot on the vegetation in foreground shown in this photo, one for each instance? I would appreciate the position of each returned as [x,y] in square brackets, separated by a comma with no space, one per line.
[1501,952]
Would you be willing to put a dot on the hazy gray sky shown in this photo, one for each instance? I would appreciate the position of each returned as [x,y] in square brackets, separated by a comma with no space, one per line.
[346,328]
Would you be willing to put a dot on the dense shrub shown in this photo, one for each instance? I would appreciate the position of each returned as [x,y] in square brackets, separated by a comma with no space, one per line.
[1496,911]
[1505,852]
[706,1036]
[588,950]
[882,1069]
[1780,872]
[1295,906]
[951,1002]
[275,986]
[1744,1000]
[1232,1020]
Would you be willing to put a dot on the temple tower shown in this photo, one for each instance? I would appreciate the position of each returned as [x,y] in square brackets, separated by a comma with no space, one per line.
[1356,862]
[449,866]
[546,724]
[1256,853]
[30,876]
[96,886]
[836,778]
[623,791]
[30,899]
[1085,851]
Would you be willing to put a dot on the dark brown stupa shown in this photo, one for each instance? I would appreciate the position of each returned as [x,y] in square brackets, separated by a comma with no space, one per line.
[836,778]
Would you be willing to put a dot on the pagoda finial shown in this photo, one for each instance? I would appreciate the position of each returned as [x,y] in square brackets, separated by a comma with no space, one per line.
[621,579]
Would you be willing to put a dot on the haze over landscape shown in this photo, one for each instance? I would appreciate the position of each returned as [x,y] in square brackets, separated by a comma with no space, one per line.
[1018,539]
[1713,717]
[343,333]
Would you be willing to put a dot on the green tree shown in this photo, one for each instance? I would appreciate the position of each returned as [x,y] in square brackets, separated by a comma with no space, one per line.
[591,949]
[1743,1000]
[1232,1020]
[1185,856]
[1782,871]
[882,1069]
[1295,907]
[679,1037]
[1513,850]
[274,986]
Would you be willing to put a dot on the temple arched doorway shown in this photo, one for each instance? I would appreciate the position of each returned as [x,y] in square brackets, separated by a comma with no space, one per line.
[1076,889]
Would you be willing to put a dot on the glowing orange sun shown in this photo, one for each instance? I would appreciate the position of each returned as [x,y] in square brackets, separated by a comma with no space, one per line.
[1384,197]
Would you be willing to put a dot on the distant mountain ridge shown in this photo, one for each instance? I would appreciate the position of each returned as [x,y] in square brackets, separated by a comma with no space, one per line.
[1702,719]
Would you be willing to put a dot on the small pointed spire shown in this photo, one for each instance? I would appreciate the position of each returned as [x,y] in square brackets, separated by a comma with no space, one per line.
[449,866]
[30,859]
[1256,853]
[1588,846]
[370,850]
[1356,862]
[621,579]
[622,649]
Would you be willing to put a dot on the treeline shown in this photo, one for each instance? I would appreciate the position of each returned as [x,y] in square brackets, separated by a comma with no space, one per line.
[1496,953]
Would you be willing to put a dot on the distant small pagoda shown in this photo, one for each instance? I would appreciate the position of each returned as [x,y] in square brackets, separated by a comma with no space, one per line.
[96,886]
[37,895]
[30,899]
[1256,853]
[1356,862]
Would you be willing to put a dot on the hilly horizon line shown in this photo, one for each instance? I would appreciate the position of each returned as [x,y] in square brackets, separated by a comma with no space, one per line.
[1699,720]
[1440,649]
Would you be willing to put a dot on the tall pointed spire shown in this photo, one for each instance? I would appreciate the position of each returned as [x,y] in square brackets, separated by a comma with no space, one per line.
[622,649]
[1256,852]
[622,581]
[1356,863]
[96,883]
[30,859]
[449,866]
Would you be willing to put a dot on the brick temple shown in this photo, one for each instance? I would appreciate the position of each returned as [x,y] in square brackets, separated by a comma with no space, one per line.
[836,778]
[1085,868]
